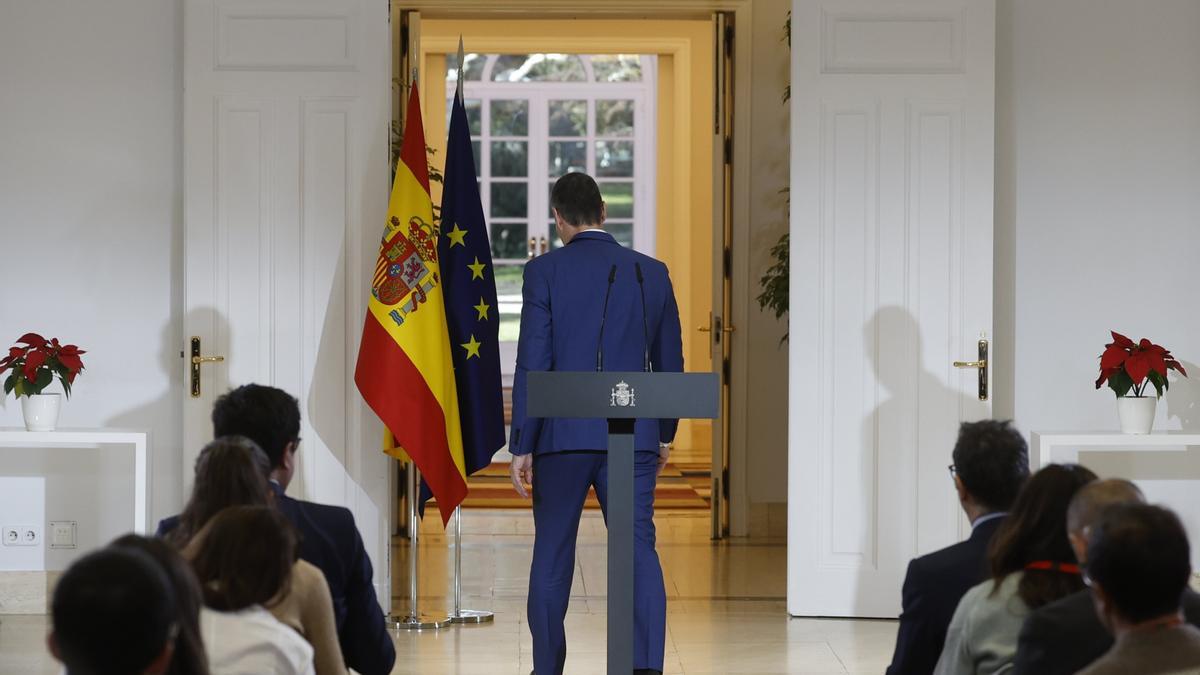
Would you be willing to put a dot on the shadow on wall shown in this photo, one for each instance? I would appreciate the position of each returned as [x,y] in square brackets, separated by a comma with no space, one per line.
[1183,399]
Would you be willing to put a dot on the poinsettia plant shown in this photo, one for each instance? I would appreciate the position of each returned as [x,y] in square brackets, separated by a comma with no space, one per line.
[1127,365]
[34,362]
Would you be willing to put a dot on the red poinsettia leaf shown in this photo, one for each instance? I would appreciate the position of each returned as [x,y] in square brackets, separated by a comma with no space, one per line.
[1145,344]
[32,339]
[1103,378]
[1175,365]
[72,362]
[1113,357]
[54,341]
[1121,340]
[1138,366]
[71,376]
[1157,363]
[14,352]
[33,361]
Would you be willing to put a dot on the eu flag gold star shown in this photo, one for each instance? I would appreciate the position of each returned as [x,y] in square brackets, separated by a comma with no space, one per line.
[472,347]
[482,308]
[457,236]
[477,269]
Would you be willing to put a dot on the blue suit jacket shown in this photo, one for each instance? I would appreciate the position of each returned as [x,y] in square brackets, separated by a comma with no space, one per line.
[563,298]
[330,541]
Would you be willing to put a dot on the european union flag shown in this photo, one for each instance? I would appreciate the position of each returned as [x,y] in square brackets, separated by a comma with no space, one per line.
[469,285]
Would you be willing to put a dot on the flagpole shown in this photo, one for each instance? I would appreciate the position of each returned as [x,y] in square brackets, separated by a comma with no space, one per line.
[460,615]
[415,620]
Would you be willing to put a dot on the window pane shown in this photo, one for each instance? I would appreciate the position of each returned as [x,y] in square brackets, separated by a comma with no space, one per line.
[614,118]
[567,156]
[472,71]
[508,241]
[622,232]
[618,199]
[539,68]
[614,158]
[510,158]
[617,68]
[510,118]
[510,200]
[568,118]
[555,242]
[508,293]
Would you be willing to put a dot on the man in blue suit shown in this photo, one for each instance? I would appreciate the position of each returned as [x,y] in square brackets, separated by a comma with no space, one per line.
[328,537]
[590,305]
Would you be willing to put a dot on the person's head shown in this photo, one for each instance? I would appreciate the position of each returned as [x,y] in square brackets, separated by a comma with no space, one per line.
[1035,532]
[577,204]
[113,613]
[230,471]
[991,463]
[243,557]
[189,657]
[1087,505]
[1138,564]
[268,416]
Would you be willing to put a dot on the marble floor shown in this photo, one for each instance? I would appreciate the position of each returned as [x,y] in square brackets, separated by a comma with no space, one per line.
[725,610]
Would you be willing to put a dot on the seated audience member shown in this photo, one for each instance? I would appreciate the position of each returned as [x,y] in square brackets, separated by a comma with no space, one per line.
[1065,636]
[243,559]
[991,462]
[232,471]
[189,657]
[328,537]
[1138,565]
[113,612]
[1032,565]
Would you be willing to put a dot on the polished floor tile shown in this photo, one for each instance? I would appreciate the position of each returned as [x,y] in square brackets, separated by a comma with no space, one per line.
[725,606]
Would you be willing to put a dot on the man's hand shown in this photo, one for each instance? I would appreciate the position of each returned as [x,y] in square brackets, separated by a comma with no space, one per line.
[664,454]
[521,471]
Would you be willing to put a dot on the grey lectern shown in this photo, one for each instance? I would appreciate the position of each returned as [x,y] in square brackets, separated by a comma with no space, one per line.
[621,398]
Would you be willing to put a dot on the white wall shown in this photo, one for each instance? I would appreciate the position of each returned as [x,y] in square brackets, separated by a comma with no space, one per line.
[90,220]
[1098,199]
[1098,216]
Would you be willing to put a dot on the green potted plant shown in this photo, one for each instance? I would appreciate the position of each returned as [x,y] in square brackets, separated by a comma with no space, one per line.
[1127,367]
[32,365]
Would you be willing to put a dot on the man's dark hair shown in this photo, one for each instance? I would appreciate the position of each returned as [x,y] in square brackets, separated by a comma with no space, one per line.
[113,613]
[577,199]
[268,416]
[189,657]
[1138,554]
[244,557]
[230,471]
[992,461]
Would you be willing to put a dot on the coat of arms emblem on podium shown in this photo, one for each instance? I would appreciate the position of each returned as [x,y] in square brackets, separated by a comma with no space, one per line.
[622,396]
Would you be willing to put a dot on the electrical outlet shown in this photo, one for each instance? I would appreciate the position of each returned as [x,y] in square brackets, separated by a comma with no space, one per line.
[22,535]
[62,534]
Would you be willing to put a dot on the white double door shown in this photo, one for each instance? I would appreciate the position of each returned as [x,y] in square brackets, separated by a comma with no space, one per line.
[891,239]
[286,113]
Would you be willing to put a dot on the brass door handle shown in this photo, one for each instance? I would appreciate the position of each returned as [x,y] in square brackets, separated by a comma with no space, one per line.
[197,359]
[982,364]
[708,329]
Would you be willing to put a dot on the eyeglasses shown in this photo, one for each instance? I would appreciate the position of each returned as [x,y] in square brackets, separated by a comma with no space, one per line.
[953,471]
[1087,580]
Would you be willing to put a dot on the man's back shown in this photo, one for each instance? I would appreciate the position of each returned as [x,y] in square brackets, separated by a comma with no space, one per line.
[564,304]
[1151,651]
[932,588]
[1065,636]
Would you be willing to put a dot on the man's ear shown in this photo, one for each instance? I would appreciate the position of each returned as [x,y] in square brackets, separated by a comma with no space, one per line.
[963,495]
[52,645]
[603,212]
[288,460]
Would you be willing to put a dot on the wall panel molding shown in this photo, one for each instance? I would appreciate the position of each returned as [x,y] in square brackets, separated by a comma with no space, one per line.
[892,43]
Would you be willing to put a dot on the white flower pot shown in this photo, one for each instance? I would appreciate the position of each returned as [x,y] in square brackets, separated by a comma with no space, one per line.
[41,411]
[1136,413]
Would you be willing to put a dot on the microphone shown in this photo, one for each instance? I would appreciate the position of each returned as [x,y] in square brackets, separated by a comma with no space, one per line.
[612,275]
[637,267]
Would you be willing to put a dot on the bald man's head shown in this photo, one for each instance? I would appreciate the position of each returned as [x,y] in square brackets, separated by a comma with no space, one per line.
[1090,502]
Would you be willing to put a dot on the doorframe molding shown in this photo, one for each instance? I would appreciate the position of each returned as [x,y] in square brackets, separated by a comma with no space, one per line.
[742,11]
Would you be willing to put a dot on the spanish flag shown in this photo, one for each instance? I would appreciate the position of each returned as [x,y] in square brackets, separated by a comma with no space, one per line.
[405,367]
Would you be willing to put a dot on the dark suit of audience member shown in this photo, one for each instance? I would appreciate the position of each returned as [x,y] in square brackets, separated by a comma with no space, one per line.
[329,538]
[990,464]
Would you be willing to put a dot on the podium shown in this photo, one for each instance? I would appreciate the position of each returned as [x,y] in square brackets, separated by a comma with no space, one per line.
[621,398]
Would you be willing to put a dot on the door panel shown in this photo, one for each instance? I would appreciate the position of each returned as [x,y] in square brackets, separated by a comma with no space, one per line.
[286,176]
[891,259]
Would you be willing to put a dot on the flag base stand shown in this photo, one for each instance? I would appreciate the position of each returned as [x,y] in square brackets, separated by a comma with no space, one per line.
[418,622]
[472,616]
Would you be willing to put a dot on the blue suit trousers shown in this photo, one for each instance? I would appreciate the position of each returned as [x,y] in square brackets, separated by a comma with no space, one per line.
[560,486]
